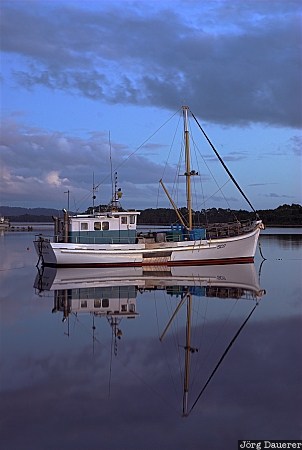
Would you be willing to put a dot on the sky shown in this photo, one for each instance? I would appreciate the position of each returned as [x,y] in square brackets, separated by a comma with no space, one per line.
[84,85]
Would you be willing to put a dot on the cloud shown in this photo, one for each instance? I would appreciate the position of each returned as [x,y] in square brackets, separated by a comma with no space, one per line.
[275,195]
[156,55]
[53,178]
[296,145]
[41,165]
[260,184]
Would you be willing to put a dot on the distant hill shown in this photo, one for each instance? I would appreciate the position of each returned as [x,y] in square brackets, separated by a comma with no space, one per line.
[284,215]
[19,214]
[19,211]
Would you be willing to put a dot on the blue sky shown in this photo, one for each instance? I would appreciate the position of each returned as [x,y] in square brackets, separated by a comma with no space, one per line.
[74,72]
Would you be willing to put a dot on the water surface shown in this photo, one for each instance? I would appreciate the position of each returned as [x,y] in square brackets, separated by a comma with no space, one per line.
[73,380]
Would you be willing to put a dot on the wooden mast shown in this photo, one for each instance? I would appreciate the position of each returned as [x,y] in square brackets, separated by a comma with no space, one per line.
[188,168]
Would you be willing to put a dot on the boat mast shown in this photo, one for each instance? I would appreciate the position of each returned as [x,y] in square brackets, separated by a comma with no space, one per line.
[188,168]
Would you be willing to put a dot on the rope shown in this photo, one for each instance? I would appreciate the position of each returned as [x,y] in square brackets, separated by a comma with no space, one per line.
[260,250]
[224,165]
[222,358]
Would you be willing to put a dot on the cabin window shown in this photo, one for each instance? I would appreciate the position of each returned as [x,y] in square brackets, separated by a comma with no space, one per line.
[132,307]
[124,220]
[84,226]
[124,308]
[97,303]
[132,219]
[105,303]
[83,303]
[97,225]
[105,226]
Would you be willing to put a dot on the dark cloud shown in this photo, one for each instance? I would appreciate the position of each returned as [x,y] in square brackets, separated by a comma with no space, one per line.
[275,195]
[261,184]
[234,64]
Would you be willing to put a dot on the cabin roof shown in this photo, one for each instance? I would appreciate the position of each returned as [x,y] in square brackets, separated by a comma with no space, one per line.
[107,214]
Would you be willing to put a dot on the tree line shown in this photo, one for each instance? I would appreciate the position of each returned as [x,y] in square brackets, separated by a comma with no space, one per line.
[284,215]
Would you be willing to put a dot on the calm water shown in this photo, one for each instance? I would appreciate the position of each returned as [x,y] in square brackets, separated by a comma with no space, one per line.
[74,380]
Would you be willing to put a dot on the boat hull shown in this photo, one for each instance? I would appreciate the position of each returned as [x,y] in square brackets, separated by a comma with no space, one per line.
[225,250]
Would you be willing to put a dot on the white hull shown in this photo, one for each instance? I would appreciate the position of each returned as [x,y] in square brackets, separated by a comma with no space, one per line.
[225,250]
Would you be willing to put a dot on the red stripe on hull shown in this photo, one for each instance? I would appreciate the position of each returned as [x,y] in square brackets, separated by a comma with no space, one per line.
[204,262]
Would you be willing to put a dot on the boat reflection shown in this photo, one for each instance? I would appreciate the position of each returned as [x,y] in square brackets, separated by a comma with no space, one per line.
[112,294]
[233,280]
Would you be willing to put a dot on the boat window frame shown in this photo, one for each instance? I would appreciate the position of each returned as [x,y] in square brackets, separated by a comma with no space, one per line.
[105,302]
[132,308]
[84,226]
[124,220]
[105,225]
[132,219]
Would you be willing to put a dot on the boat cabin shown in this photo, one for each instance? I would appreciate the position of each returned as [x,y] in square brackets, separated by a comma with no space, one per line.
[99,228]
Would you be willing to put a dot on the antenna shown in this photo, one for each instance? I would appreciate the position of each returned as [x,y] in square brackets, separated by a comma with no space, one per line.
[94,190]
[111,169]
[116,195]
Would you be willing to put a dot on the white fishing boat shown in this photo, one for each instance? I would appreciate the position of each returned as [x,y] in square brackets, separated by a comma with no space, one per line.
[4,223]
[111,239]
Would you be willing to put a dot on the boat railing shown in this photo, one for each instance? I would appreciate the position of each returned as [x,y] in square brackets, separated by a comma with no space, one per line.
[230,229]
[231,293]
[98,240]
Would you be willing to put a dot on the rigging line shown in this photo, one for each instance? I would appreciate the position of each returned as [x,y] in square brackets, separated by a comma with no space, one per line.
[111,171]
[219,187]
[171,146]
[138,148]
[85,327]
[224,165]
[218,334]
[222,358]
[218,190]
[164,349]
[194,163]
[175,188]
[173,323]
[201,183]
